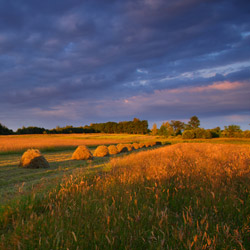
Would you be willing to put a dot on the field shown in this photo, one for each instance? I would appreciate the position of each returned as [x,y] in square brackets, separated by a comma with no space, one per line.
[19,143]
[183,196]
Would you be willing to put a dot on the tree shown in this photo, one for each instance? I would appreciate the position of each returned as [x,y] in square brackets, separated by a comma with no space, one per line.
[188,134]
[177,126]
[232,131]
[4,130]
[154,129]
[194,122]
[166,130]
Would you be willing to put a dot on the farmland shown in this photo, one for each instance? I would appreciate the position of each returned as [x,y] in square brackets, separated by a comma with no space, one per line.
[183,196]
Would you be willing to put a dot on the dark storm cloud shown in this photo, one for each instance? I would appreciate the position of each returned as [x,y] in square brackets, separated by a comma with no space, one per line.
[101,52]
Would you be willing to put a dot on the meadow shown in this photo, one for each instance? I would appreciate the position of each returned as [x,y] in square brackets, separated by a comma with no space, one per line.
[57,142]
[182,196]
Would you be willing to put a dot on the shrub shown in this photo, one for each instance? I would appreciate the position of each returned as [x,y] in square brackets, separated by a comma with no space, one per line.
[101,151]
[113,150]
[122,148]
[33,158]
[188,134]
[82,153]
[246,134]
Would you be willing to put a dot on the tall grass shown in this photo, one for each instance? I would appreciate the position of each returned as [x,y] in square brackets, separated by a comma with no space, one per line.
[185,196]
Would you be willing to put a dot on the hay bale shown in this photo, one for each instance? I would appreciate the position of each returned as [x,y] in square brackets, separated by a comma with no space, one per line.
[82,153]
[101,151]
[129,147]
[149,144]
[142,145]
[157,143]
[33,158]
[122,148]
[136,145]
[113,150]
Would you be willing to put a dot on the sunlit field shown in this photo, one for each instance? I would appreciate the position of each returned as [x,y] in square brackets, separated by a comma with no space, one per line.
[52,142]
[184,196]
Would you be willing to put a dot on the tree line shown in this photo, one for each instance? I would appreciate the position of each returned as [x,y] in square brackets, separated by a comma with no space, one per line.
[129,127]
[192,130]
[174,128]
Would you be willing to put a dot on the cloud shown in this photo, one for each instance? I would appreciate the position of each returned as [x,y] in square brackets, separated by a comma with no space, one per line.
[158,55]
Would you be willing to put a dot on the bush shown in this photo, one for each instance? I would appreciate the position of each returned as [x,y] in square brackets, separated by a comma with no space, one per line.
[188,134]
[246,134]
[82,153]
[101,151]
[33,158]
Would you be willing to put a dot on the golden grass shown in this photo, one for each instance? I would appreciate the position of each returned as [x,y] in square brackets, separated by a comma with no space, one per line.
[185,196]
[23,142]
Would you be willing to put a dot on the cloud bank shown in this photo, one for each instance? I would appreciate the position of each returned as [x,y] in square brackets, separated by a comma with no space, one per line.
[74,62]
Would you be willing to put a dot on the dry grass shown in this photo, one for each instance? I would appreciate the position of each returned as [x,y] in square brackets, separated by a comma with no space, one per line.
[33,158]
[82,153]
[185,196]
[24,142]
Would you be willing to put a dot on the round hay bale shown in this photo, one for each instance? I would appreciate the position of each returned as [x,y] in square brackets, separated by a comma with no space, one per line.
[122,148]
[33,158]
[136,145]
[82,153]
[101,151]
[142,145]
[129,147]
[113,150]
[148,144]
[157,143]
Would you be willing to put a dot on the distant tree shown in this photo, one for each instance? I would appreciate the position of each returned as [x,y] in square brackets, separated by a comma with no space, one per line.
[188,134]
[194,122]
[4,130]
[166,129]
[202,133]
[232,131]
[246,134]
[30,130]
[177,126]
[154,129]
[215,132]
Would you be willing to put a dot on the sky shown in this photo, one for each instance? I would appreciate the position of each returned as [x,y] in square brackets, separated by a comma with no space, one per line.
[72,62]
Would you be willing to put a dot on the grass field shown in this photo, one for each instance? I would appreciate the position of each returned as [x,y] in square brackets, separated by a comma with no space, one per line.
[54,142]
[184,196]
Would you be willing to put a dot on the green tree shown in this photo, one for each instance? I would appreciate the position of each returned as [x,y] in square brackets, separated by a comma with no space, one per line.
[154,129]
[194,122]
[177,126]
[4,130]
[188,134]
[232,131]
